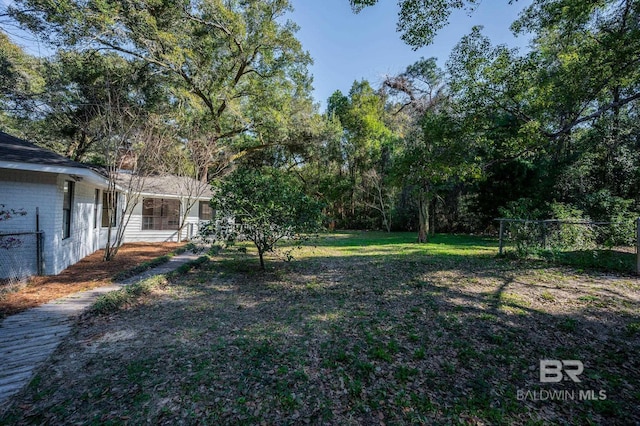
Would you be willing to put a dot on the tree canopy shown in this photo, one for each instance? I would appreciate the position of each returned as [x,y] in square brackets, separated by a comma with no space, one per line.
[551,130]
[418,20]
[225,66]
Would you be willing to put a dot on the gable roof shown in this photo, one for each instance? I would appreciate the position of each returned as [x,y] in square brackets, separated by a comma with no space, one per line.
[18,154]
[20,151]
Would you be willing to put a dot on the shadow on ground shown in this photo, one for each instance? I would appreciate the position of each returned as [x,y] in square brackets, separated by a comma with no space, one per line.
[346,338]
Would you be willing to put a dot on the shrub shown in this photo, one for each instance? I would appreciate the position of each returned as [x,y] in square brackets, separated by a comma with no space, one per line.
[271,205]
[604,206]
[527,236]
[115,300]
[570,236]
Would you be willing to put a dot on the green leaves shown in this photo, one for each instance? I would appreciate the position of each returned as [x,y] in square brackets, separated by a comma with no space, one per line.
[223,63]
[419,20]
[270,204]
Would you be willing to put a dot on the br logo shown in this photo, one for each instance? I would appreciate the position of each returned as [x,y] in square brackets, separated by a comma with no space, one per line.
[553,370]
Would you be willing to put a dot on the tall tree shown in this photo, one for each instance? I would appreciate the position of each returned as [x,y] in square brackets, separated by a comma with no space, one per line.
[225,62]
[21,81]
[439,153]
[79,87]
[435,150]
[566,106]
[420,20]
[364,140]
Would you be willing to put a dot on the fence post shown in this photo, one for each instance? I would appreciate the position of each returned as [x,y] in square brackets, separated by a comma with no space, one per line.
[38,243]
[502,234]
[638,246]
[40,240]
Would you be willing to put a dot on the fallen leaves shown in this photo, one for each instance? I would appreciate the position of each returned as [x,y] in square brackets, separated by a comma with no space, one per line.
[346,339]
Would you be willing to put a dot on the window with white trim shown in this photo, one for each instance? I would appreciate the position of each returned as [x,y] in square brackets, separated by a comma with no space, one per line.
[205,211]
[160,214]
[67,204]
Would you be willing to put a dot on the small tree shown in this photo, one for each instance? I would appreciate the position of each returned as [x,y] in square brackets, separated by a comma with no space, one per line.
[139,146]
[270,204]
[193,161]
[377,196]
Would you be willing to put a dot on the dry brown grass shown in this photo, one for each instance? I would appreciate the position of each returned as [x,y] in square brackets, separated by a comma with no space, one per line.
[90,272]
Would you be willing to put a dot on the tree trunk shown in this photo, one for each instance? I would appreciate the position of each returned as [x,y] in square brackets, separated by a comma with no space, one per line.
[261,254]
[423,216]
[107,249]
[184,215]
[432,227]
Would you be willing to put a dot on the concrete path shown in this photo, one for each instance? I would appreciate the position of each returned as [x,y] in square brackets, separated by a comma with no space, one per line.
[27,339]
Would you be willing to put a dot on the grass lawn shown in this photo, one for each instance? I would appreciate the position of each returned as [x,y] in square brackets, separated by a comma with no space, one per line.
[362,328]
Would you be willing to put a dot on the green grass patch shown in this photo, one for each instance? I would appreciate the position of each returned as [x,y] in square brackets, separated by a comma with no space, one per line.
[145,266]
[116,300]
[128,295]
[403,243]
[363,328]
[633,328]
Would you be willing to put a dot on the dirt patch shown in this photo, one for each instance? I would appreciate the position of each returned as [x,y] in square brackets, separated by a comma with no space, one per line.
[90,272]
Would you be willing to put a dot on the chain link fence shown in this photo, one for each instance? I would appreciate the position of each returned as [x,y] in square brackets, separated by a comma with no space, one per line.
[20,257]
[602,245]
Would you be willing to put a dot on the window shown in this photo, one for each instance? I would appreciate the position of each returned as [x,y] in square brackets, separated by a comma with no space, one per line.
[206,212]
[160,214]
[96,203]
[109,209]
[67,202]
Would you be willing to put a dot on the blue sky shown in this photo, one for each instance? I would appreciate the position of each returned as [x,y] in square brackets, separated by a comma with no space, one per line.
[347,46]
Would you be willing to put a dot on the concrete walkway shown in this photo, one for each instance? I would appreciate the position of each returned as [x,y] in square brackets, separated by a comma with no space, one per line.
[28,339]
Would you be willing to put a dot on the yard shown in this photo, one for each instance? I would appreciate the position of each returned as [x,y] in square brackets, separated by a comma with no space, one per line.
[362,328]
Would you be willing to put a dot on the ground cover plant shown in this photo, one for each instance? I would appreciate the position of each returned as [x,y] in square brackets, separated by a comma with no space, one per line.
[363,328]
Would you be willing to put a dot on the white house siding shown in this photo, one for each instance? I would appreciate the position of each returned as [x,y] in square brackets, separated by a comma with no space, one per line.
[28,191]
[134,232]
[84,239]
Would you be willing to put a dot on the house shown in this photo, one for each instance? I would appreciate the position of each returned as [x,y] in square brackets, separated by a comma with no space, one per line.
[161,201]
[61,212]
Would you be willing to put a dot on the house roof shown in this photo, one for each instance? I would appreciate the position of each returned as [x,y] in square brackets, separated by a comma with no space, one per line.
[171,186]
[20,151]
[18,154]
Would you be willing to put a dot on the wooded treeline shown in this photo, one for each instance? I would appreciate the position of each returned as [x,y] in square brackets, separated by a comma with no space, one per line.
[551,132]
